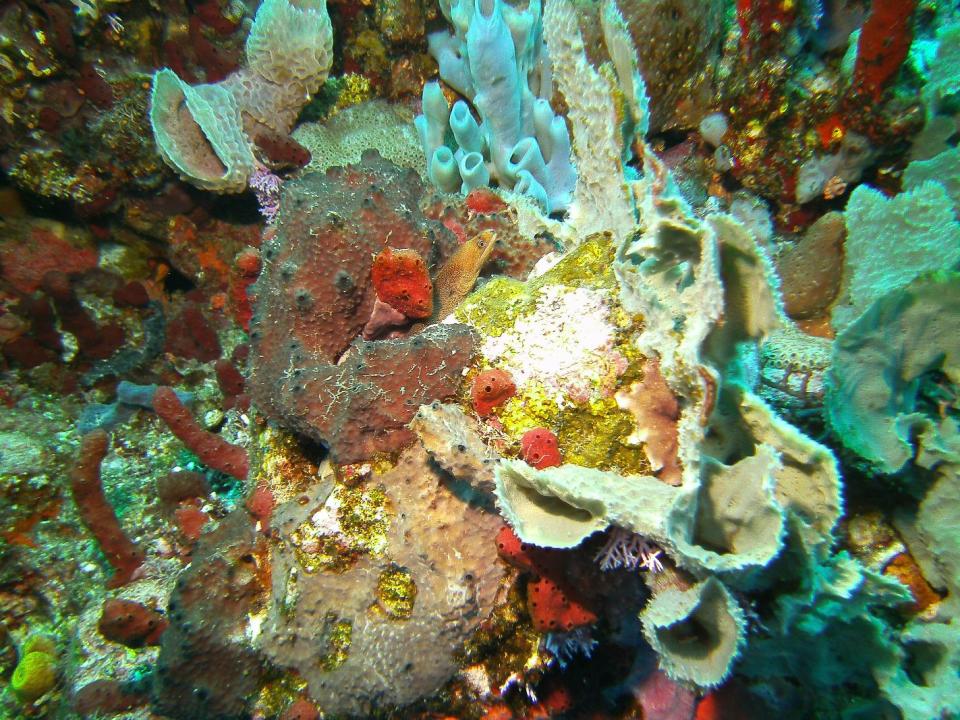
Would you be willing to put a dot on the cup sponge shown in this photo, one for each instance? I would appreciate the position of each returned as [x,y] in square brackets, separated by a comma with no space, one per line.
[206,132]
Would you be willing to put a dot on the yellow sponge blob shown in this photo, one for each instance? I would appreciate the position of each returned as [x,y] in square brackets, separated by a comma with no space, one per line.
[35,674]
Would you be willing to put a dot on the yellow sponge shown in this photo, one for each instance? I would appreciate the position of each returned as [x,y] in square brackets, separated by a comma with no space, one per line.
[35,674]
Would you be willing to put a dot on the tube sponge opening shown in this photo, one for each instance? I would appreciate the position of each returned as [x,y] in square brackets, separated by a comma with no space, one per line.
[697,632]
[538,514]
[492,59]
[199,133]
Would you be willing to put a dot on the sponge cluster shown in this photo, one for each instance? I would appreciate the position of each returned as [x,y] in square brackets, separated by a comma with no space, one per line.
[496,59]
[207,132]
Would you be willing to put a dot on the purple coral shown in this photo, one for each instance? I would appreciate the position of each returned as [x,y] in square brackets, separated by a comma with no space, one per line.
[565,646]
[266,186]
[628,550]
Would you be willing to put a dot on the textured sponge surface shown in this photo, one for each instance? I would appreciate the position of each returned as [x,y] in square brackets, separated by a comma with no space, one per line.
[291,43]
[34,675]
[204,132]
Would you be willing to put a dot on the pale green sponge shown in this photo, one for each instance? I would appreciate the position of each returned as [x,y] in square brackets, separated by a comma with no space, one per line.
[697,632]
[35,675]
[199,133]
[884,382]
[891,241]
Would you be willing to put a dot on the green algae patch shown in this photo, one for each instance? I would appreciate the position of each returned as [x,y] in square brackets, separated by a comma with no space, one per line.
[526,323]
[531,407]
[396,592]
[363,517]
[590,264]
[317,552]
[496,306]
[338,644]
[593,435]
[279,694]
[34,676]
[334,538]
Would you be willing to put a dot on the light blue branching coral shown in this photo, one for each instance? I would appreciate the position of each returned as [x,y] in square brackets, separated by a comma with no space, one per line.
[496,59]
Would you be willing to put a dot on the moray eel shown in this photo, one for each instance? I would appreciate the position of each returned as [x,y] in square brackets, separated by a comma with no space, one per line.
[459,274]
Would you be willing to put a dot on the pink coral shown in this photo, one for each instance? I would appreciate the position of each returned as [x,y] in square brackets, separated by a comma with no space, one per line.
[212,449]
[266,186]
[555,603]
[97,513]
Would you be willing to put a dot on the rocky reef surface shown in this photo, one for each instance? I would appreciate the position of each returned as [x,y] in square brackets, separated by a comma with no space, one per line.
[479,359]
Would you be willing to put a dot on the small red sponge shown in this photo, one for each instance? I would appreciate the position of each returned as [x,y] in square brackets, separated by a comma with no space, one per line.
[491,388]
[539,448]
[402,282]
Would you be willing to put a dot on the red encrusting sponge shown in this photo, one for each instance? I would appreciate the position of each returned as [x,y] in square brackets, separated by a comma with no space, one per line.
[539,448]
[552,600]
[402,282]
[491,388]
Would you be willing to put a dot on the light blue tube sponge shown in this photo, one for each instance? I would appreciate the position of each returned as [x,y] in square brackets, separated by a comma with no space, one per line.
[493,57]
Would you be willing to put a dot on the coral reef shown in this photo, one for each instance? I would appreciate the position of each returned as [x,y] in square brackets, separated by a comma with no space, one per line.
[494,60]
[382,658]
[532,359]
[307,365]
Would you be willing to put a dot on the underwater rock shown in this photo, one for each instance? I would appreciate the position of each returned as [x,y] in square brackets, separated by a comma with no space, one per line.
[337,629]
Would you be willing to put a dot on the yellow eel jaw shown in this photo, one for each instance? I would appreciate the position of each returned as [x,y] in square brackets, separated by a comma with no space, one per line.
[459,274]
[484,243]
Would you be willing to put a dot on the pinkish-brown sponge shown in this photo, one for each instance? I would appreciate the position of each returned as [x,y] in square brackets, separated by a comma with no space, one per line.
[97,513]
[130,623]
[212,449]
[309,368]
